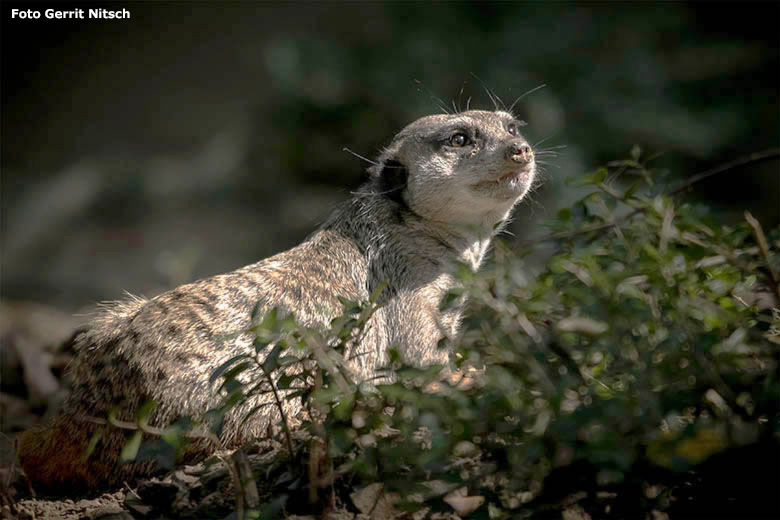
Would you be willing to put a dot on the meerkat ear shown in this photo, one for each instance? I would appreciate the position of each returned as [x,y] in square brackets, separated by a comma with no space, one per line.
[392,180]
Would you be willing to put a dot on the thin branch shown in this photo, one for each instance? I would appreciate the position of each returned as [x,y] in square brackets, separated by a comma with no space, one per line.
[763,245]
[772,153]
[127,425]
[250,498]
[570,234]
[279,405]
[756,157]
[326,363]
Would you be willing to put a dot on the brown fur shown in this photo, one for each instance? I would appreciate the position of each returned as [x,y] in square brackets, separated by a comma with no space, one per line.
[427,206]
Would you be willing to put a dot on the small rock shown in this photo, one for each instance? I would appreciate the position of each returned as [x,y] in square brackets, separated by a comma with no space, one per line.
[464,505]
[439,487]
[575,512]
[366,441]
[464,449]
[358,420]
[366,498]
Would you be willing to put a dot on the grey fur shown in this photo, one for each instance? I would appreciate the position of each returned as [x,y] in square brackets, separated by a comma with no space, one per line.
[428,205]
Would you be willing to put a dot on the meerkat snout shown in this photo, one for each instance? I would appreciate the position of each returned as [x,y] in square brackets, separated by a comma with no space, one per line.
[519,152]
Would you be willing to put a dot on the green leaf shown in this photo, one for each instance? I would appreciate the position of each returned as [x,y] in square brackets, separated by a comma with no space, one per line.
[285,381]
[288,323]
[256,311]
[236,370]
[395,355]
[260,344]
[594,178]
[450,299]
[287,360]
[112,413]
[270,364]
[377,292]
[93,442]
[175,434]
[270,321]
[130,449]
[226,365]
[144,413]
[625,162]
[630,191]
[232,399]
[343,408]
[350,306]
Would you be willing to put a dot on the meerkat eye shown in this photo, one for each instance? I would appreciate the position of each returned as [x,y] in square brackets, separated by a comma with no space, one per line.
[513,127]
[458,140]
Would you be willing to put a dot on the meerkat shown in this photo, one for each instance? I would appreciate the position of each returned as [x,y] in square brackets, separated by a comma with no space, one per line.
[434,199]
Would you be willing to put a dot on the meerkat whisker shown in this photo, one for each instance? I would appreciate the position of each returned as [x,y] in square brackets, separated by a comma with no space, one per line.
[369,161]
[521,96]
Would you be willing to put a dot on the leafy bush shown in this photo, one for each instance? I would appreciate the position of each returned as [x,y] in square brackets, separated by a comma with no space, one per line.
[647,344]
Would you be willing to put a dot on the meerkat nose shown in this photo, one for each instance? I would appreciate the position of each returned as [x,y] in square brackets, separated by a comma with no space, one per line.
[519,151]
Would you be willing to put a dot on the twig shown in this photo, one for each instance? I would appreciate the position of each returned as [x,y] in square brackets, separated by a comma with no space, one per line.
[235,474]
[763,245]
[285,424]
[248,489]
[319,465]
[756,157]
[772,153]
[126,425]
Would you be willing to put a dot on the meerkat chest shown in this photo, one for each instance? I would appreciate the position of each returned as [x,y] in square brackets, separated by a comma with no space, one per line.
[442,311]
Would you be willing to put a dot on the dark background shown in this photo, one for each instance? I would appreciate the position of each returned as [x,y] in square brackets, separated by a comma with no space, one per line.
[195,138]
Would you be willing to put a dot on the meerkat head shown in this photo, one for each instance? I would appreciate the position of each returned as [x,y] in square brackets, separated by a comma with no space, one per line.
[468,168]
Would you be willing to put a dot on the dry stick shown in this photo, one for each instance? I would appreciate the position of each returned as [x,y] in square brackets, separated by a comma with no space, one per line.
[319,458]
[763,245]
[248,489]
[756,157]
[235,474]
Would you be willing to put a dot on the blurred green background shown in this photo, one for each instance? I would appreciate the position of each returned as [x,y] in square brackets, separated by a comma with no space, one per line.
[195,138]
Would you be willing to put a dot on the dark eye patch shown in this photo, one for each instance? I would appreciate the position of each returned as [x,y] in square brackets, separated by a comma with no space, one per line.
[392,180]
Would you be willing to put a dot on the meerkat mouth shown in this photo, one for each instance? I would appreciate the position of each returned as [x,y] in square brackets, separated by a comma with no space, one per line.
[515,175]
[511,176]
[509,179]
